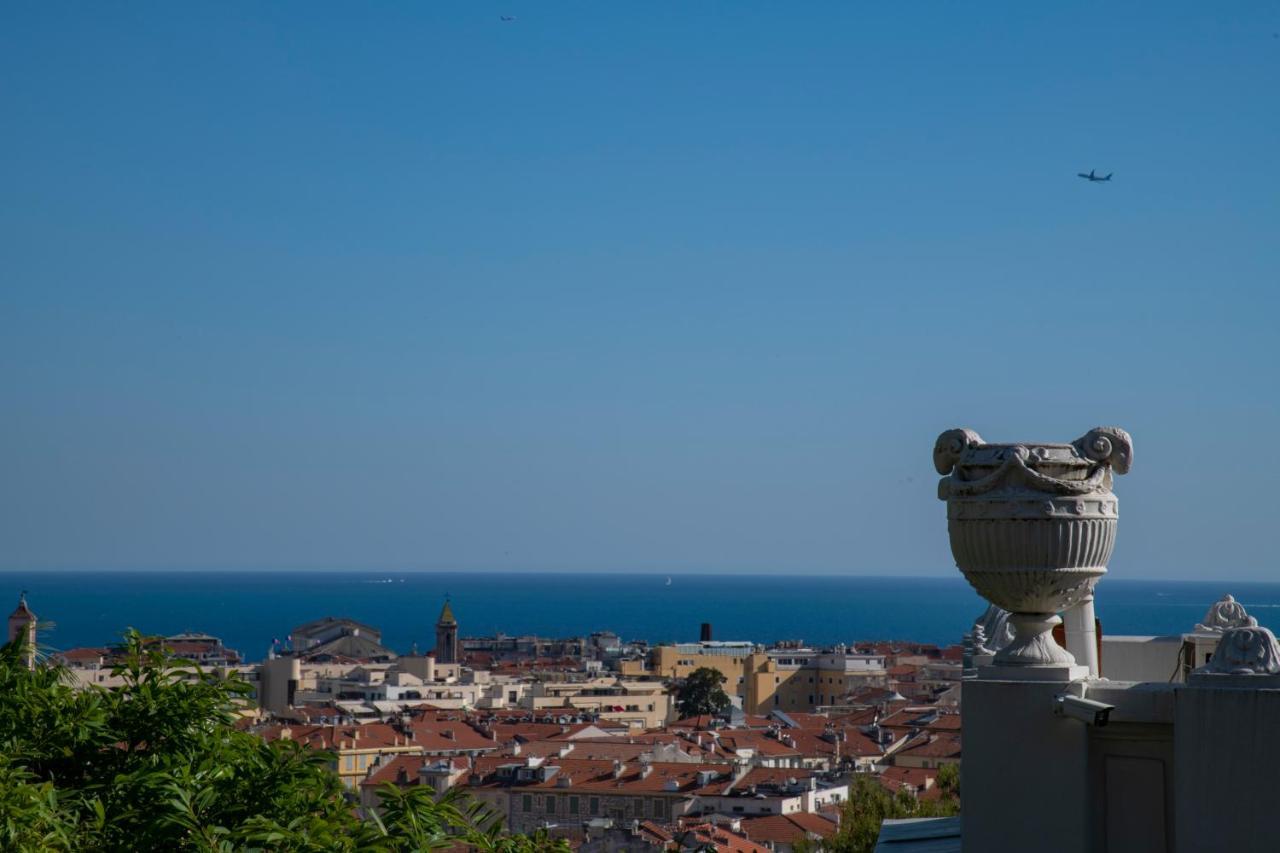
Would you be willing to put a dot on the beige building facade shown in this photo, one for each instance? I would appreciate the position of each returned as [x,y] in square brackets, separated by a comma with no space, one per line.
[764,681]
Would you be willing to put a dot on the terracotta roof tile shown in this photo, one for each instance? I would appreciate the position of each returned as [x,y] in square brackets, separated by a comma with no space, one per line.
[928,745]
[722,839]
[595,775]
[785,829]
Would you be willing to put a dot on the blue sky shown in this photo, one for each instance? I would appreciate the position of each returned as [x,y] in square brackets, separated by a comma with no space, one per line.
[623,286]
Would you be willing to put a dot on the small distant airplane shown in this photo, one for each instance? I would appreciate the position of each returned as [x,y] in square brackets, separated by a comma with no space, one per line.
[1095,178]
[506,18]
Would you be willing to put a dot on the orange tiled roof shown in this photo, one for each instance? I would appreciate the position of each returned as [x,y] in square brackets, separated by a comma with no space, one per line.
[722,839]
[771,776]
[734,740]
[865,717]
[703,722]
[918,777]
[427,738]
[928,745]
[658,833]
[784,829]
[753,721]
[406,770]
[603,749]
[595,775]
[810,721]
[855,743]
[932,718]
[651,739]
[360,736]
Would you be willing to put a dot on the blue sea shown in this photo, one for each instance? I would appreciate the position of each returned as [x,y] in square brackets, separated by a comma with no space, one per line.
[250,609]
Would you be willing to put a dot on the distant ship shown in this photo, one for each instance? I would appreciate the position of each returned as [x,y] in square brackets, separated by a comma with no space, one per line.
[668,581]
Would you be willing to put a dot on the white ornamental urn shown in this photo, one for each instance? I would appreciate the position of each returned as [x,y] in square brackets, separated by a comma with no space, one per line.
[1032,527]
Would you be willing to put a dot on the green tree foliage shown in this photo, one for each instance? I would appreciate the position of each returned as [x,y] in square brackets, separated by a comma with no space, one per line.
[869,805]
[949,780]
[701,693]
[157,765]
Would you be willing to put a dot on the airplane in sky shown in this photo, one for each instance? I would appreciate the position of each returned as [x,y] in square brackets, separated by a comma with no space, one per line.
[1095,178]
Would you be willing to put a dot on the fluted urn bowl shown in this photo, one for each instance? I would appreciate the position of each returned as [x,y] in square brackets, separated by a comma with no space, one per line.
[1032,525]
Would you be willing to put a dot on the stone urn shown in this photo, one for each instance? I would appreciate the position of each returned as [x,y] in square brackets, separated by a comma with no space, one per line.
[1032,527]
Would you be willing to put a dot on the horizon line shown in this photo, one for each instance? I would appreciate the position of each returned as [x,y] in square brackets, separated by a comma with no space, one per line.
[672,573]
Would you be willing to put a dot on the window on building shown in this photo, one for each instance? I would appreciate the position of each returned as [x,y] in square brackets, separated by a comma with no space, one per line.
[573,805]
[593,805]
[351,762]
[659,809]
[526,803]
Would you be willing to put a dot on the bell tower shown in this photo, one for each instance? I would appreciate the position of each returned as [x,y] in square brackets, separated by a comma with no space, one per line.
[23,622]
[446,635]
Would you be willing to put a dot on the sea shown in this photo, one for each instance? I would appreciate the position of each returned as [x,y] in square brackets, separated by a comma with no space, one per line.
[251,610]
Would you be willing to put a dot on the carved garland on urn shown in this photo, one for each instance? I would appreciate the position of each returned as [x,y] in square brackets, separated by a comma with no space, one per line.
[1032,526]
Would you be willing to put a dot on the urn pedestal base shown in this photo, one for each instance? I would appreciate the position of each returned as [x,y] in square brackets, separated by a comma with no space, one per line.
[1033,643]
[1050,672]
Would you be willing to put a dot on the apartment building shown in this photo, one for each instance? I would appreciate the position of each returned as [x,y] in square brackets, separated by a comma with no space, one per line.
[784,679]
[357,748]
[537,792]
[638,705]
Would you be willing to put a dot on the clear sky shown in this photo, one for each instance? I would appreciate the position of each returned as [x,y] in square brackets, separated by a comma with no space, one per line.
[627,286]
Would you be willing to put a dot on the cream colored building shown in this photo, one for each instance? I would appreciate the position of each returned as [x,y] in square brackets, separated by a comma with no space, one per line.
[637,704]
[764,681]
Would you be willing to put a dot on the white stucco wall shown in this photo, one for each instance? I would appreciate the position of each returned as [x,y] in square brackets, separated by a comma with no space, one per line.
[1137,658]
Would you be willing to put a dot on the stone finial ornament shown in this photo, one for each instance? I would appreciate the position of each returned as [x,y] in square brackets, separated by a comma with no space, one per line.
[994,622]
[1032,527]
[1224,614]
[980,641]
[1245,651]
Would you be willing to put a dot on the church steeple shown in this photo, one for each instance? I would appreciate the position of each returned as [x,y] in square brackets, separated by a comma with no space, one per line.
[23,621]
[446,635]
[446,615]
